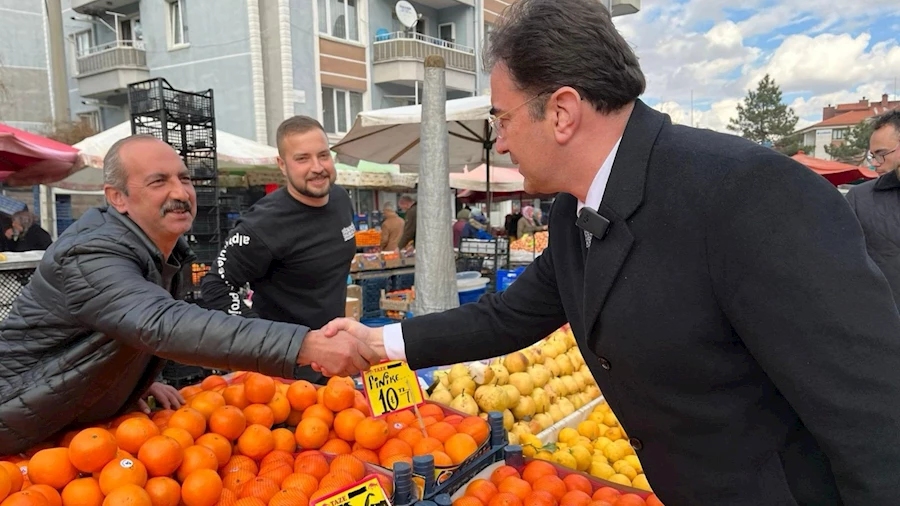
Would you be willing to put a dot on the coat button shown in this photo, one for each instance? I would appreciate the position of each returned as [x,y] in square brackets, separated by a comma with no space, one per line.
[604,363]
[636,444]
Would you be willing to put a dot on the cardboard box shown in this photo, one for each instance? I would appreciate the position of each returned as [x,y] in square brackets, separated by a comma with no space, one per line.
[353,308]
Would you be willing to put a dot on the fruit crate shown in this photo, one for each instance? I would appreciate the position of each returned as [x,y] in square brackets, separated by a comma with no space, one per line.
[207,196]
[206,252]
[205,223]
[512,456]
[447,480]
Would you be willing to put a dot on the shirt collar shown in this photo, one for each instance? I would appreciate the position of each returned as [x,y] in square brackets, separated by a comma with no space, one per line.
[598,185]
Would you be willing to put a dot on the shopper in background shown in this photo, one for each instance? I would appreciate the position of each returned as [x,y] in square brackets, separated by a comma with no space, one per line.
[295,245]
[462,218]
[88,335]
[477,227]
[527,224]
[408,206]
[877,203]
[720,292]
[511,224]
[391,228]
[26,234]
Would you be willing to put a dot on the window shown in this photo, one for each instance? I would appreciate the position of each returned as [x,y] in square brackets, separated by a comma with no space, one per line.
[447,32]
[177,29]
[130,31]
[339,109]
[339,18]
[91,119]
[82,43]
[837,134]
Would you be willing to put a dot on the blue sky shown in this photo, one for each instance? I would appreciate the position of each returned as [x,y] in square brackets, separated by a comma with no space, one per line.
[819,52]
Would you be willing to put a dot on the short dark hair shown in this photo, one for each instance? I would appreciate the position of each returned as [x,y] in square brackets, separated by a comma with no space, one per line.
[295,125]
[891,117]
[548,44]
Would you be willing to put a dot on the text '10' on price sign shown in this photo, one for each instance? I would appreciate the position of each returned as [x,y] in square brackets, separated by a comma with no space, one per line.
[390,387]
[367,492]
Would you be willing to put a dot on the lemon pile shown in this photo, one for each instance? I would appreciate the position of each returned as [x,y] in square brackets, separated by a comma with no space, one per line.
[598,446]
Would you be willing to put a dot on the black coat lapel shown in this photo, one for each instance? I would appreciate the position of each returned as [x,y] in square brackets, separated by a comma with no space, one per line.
[624,194]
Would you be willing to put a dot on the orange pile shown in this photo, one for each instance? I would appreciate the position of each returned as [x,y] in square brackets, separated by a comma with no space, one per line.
[540,484]
[223,449]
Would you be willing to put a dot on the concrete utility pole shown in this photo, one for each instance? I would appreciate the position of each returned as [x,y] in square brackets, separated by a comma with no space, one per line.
[435,270]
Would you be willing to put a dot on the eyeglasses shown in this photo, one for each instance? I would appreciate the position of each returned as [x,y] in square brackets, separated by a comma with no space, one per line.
[879,157]
[496,122]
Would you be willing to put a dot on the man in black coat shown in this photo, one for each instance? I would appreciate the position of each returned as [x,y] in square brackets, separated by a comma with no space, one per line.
[877,203]
[720,292]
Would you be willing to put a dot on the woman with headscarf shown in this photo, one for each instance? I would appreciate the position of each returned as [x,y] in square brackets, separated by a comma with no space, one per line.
[527,225]
[477,227]
[462,219]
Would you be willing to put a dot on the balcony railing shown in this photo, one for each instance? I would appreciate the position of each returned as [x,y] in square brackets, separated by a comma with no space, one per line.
[415,46]
[113,55]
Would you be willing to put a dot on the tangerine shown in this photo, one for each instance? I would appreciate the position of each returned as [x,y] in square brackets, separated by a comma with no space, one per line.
[91,449]
[284,440]
[239,463]
[201,488]
[261,488]
[259,414]
[128,495]
[350,465]
[289,497]
[304,482]
[82,492]
[161,455]
[336,446]
[228,421]
[345,423]
[134,432]
[256,442]
[259,388]
[196,458]
[234,396]
[163,491]
[53,467]
[536,469]
[189,419]
[183,437]
[321,412]
[213,381]
[484,490]
[313,464]
[301,394]
[312,433]
[49,493]
[371,433]
[121,472]
[281,408]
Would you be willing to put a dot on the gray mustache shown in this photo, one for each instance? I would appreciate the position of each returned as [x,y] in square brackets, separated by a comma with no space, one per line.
[175,205]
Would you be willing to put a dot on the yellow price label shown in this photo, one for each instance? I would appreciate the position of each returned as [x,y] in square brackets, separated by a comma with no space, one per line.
[390,387]
[367,492]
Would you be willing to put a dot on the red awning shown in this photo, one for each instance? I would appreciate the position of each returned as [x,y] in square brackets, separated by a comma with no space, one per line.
[27,159]
[836,173]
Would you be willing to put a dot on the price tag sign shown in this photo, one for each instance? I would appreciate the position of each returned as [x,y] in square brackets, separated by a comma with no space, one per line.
[391,386]
[367,492]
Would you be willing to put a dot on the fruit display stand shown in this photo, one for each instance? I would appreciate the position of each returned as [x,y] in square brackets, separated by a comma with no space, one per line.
[551,434]
[516,465]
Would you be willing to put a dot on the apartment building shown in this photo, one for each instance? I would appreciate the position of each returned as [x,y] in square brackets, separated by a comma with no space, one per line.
[264,59]
[839,119]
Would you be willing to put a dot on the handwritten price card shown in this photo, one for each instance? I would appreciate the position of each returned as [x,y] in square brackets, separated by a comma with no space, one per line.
[391,386]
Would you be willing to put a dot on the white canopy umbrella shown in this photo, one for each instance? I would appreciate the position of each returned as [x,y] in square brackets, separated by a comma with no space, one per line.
[502,180]
[392,135]
[232,152]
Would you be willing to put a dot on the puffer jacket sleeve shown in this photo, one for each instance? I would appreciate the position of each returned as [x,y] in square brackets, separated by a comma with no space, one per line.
[106,290]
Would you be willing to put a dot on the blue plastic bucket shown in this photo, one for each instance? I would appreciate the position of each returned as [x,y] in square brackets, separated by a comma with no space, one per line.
[471,289]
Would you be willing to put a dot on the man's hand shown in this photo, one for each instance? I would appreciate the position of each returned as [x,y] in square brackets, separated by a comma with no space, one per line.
[372,338]
[166,396]
[339,354]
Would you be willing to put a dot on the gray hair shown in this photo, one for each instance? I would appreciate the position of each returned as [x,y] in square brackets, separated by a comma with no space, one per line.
[25,219]
[388,206]
[405,198]
[548,44]
[114,173]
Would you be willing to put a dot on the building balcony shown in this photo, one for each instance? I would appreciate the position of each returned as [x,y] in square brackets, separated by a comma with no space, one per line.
[108,69]
[93,7]
[400,58]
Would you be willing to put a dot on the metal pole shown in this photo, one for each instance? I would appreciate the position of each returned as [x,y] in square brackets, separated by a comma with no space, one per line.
[435,270]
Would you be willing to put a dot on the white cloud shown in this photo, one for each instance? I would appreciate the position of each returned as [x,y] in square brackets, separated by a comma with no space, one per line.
[697,47]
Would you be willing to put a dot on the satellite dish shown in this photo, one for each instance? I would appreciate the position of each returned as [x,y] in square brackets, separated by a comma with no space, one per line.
[406,13]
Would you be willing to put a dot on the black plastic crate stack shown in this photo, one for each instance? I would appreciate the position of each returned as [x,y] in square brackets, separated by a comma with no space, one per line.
[186,121]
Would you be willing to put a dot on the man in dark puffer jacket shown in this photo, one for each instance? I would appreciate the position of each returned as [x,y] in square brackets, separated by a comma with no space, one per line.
[88,335]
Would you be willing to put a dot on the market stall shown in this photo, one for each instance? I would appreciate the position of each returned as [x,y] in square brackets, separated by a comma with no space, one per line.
[837,173]
[16,270]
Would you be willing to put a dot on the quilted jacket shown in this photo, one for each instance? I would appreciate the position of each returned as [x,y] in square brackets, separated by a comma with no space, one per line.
[877,206]
[86,337]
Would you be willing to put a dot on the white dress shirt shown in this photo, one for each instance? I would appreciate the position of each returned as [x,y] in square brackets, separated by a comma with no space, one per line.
[394,346]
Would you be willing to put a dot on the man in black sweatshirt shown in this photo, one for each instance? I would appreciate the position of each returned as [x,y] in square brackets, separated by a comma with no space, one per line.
[295,245]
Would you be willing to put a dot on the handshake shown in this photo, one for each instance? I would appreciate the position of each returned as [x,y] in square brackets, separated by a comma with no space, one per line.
[344,347]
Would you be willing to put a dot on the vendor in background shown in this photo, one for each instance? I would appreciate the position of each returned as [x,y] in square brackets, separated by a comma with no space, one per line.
[462,219]
[25,234]
[295,245]
[527,223]
[408,206]
[391,228]
[88,335]
[477,227]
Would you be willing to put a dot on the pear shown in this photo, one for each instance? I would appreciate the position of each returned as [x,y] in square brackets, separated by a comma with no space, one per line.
[523,382]
[541,400]
[501,375]
[512,394]
[491,398]
[540,374]
[466,404]
[565,365]
[462,385]
[441,396]
[458,371]
[508,420]
[525,409]
[515,362]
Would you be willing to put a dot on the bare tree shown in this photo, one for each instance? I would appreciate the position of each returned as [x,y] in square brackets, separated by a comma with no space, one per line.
[68,131]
